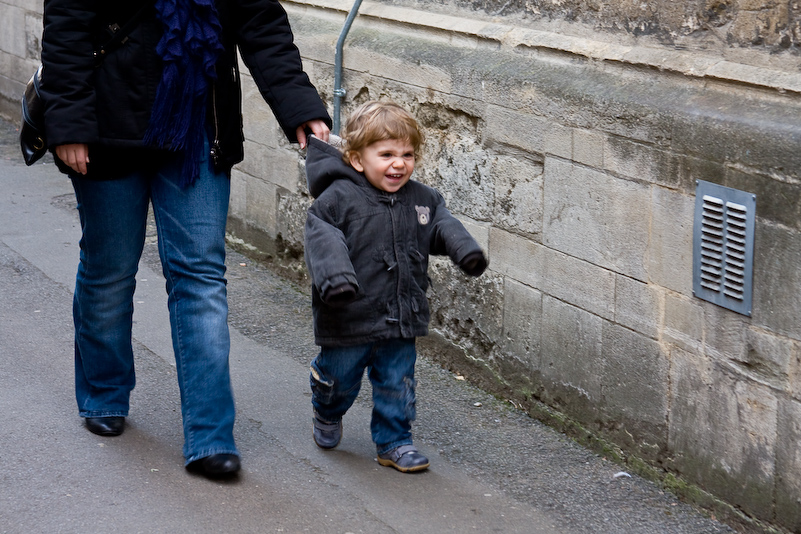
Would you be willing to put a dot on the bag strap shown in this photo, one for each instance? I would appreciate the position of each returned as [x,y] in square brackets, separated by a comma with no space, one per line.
[119,34]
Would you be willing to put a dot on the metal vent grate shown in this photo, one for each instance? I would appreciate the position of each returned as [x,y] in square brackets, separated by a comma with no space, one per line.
[723,246]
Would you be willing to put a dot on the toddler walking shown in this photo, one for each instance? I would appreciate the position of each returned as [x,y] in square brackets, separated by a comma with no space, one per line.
[369,235]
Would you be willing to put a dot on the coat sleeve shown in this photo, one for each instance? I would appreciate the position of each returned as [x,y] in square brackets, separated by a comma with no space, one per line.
[268,49]
[67,56]
[326,252]
[451,238]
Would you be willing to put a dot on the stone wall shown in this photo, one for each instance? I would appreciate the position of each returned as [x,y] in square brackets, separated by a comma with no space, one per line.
[772,24]
[572,154]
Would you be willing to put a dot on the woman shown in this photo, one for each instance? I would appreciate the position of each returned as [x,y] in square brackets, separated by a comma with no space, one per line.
[153,115]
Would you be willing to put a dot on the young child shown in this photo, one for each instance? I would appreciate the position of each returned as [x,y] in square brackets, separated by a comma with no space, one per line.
[368,237]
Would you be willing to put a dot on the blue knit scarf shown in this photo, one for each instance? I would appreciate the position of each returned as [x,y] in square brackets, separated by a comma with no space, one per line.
[189,49]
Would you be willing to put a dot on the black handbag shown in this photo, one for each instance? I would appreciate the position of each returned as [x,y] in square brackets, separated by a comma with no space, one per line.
[32,138]
[31,131]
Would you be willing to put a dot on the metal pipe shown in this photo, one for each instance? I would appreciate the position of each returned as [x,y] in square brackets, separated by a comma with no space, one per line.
[339,92]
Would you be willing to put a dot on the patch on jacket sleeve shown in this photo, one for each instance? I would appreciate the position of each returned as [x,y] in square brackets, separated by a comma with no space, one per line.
[423,214]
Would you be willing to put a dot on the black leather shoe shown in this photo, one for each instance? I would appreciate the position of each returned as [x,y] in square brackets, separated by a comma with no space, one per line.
[106,426]
[216,465]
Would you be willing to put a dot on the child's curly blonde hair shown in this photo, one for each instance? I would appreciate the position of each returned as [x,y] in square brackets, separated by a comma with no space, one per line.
[376,121]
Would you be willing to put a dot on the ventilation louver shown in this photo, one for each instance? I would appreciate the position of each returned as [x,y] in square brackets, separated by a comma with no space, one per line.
[723,246]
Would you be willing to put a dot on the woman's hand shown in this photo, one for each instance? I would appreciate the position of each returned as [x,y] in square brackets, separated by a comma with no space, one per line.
[319,129]
[75,155]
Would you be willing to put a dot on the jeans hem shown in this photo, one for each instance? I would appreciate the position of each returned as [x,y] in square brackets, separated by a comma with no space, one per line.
[382,449]
[206,454]
[103,413]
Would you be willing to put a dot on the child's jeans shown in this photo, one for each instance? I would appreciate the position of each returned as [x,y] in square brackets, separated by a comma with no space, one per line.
[336,376]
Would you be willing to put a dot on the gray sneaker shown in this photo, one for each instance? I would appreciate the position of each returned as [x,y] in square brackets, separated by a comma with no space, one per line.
[326,434]
[404,458]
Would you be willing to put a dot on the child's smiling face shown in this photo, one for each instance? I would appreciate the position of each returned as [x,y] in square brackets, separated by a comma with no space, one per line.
[387,164]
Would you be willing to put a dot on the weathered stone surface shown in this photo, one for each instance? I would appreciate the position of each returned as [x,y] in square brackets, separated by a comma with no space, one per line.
[794,374]
[259,122]
[595,217]
[291,220]
[522,322]
[777,279]
[577,282]
[670,250]
[12,31]
[769,358]
[724,333]
[684,323]
[467,310]
[723,432]
[572,358]
[517,257]
[709,23]
[638,306]
[261,205]
[640,161]
[634,390]
[279,167]
[518,194]
[788,465]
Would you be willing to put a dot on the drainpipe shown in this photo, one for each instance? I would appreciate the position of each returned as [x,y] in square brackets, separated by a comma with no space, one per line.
[339,92]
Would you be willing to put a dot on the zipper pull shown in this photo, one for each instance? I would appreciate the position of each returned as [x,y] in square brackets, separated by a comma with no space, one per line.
[215,152]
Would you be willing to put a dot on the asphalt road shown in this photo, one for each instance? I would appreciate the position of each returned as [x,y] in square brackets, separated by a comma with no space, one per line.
[493,469]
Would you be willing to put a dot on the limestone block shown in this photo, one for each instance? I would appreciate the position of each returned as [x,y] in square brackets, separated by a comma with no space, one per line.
[518,194]
[723,432]
[522,322]
[596,217]
[528,132]
[291,219]
[788,465]
[12,31]
[767,358]
[237,207]
[463,176]
[794,374]
[724,333]
[397,57]
[638,306]
[588,148]
[258,120]
[670,250]
[261,205]
[579,283]
[572,356]
[639,161]
[517,257]
[279,167]
[778,202]
[777,279]
[684,323]
[635,389]
[467,310]
[33,35]
[28,5]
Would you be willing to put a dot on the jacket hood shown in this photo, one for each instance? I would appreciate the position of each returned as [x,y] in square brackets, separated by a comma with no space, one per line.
[324,164]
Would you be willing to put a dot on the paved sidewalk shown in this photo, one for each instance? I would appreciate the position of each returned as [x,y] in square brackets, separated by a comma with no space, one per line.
[493,469]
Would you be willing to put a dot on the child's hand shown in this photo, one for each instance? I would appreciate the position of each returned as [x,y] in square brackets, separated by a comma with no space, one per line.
[474,264]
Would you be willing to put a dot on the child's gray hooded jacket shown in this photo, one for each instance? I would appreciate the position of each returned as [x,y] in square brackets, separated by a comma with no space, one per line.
[367,252]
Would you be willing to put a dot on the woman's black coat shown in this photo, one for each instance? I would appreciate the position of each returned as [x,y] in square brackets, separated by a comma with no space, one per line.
[107,102]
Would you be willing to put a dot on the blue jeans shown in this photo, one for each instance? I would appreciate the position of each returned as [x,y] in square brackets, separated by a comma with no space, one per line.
[336,377]
[191,239]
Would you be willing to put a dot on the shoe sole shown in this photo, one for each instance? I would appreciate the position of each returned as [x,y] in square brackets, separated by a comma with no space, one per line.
[390,463]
